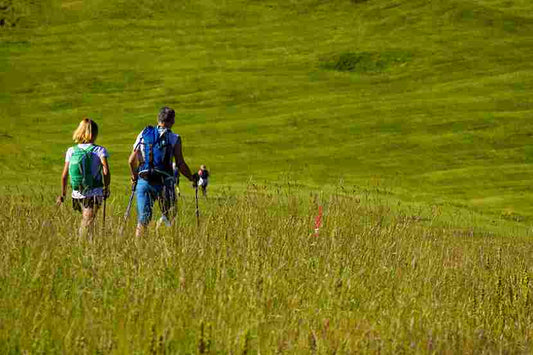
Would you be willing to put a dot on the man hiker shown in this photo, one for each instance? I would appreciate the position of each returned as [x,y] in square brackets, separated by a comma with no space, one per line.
[151,169]
[86,164]
[203,181]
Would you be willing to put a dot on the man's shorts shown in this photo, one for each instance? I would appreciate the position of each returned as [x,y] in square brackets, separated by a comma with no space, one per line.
[148,193]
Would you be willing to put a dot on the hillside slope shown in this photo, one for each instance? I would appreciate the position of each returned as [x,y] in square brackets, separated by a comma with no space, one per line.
[431,98]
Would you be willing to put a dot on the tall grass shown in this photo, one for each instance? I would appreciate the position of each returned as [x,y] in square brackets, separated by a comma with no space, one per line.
[253,278]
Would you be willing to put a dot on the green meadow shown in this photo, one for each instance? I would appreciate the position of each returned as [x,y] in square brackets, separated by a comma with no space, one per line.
[408,121]
[432,98]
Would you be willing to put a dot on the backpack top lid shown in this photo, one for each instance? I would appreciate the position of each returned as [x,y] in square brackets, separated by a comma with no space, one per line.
[156,151]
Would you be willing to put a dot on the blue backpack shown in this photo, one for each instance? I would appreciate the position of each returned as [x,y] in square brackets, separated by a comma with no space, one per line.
[157,154]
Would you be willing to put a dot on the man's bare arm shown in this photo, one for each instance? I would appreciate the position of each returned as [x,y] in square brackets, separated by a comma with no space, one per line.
[180,162]
[133,161]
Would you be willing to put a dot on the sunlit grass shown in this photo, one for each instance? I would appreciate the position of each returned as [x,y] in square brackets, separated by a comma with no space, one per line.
[408,122]
[254,278]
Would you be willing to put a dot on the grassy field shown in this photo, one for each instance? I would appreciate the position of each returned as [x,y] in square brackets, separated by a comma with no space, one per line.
[253,278]
[409,122]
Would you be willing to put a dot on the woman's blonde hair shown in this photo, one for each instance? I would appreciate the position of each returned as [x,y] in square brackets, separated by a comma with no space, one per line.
[86,132]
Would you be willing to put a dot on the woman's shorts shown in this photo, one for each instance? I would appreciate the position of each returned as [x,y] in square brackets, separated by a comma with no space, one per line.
[78,204]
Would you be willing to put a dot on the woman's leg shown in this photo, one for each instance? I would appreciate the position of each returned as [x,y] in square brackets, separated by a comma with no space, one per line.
[89,209]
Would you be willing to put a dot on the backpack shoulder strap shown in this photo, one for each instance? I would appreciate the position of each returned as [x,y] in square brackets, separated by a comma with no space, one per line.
[91,148]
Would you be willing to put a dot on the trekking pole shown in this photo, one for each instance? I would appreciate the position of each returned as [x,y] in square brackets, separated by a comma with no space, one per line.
[128,209]
[197,209]
[103,219]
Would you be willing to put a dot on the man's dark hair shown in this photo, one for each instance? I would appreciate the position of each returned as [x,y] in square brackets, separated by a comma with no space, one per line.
[166,115]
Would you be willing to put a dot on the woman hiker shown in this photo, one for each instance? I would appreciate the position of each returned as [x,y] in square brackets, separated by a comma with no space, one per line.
[86,164]
[151,169]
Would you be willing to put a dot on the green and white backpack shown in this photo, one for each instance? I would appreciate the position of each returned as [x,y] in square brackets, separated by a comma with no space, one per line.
[80,172]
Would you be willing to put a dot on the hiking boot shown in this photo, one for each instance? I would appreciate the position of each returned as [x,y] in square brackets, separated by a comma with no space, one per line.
[163,220]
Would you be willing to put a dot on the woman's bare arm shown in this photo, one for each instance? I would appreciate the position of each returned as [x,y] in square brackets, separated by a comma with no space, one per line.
[64,178]
[106,172]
